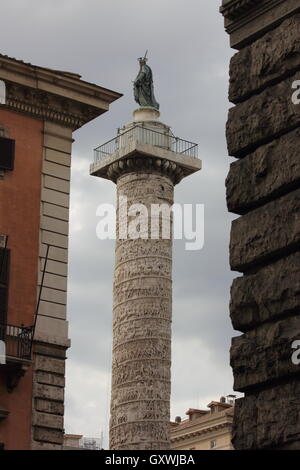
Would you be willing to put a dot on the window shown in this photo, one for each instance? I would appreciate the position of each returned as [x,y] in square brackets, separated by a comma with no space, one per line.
[2,92]
[213,444]
[7,153]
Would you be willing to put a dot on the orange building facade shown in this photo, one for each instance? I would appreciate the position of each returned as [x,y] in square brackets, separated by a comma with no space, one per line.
[20,193]
[39,110]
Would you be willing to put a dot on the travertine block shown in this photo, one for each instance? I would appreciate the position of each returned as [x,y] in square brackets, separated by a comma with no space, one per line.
[51,309]
[272,57]
[54,331]
[55,240]
[57,212]
[37,445]
[54,295]
[49,378]
[273,169]
[49,364]
[55,197]
[56,156]
[55,253]
[262,118]
[47,420]
[57,184]
[54,267]
[48,406]
[268,232]
[50,349]
[264,354]
[48,392]
[54,281]
[54,225]
[48,435]
[54,169]
[271,292]
[268,418]
[52,128]
[54,141]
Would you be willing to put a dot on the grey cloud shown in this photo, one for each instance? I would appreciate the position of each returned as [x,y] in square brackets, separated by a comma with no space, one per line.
[189,54]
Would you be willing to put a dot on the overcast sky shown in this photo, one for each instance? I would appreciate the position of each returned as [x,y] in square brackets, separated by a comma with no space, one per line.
[189,54]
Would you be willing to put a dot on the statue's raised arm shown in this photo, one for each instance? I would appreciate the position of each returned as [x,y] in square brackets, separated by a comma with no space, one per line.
[143,86]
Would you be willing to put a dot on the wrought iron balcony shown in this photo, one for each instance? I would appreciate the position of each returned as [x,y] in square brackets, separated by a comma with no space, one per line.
[144,135]
[17,340]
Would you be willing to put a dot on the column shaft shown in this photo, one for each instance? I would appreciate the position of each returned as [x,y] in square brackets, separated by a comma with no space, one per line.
[142,309]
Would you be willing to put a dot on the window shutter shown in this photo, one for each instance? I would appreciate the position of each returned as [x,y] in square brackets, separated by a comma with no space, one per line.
[4,274]
[4,265]
[7,153]
[3,304]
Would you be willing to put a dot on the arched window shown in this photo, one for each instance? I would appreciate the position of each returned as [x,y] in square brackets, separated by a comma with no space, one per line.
[2,92]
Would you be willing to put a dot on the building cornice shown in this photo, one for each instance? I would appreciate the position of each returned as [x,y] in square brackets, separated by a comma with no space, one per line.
[52,95]
[42,105]
[196,433]
[234,8]
[245,20]
[206,421]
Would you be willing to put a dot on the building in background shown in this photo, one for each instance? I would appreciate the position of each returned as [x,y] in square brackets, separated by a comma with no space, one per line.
[39,110]
[78,442]
[205,429]
[72,441]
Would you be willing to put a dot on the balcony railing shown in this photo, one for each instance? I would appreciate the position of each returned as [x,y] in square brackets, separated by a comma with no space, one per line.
[144,135]
[18,341]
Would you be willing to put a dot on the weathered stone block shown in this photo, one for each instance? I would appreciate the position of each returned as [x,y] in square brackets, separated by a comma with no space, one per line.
[50,379]
[272,170]
[48,392]
[50,350]
[264,355]
[271,292]
[270,58]
[48,435]
[47,406]
[36,445]
[262,118]
[49,364]
[270,231]
[47,420]
[268,419]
